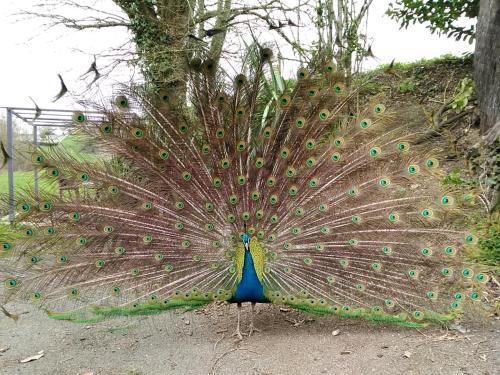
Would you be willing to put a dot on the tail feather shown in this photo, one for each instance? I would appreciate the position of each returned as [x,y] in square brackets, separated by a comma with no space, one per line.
[349,213]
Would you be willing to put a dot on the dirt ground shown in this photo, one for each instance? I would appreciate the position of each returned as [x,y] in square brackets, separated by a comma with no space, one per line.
[201,343]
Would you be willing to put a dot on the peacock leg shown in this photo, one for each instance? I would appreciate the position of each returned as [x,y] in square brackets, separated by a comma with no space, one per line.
[237,333]
[252,327]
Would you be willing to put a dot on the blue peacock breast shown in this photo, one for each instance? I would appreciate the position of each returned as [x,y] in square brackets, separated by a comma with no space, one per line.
[249,289]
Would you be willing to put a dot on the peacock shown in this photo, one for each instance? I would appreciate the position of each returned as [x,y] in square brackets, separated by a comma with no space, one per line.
[324,203]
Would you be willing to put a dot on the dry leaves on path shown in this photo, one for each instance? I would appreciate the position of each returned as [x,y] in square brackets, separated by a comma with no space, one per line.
[35,357]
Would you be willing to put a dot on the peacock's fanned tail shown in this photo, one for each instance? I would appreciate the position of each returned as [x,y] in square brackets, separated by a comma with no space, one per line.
[344,208]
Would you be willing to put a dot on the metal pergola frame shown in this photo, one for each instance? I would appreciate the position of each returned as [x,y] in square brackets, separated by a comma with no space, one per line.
[59,118]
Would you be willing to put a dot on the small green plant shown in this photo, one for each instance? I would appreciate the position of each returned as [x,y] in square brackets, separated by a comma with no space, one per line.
[487,249]
[463,95]
[455,178]
[372,88]
[407,85]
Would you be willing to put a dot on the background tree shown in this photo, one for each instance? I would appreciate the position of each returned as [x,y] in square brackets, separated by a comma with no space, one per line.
[440,16]
[487,77]
[167,34]
[340,29]
[487,68]
[340,33]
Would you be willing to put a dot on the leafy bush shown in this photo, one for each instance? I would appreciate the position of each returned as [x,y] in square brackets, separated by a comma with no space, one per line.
[455,178]
[487,249]
[407,85]
[441,16]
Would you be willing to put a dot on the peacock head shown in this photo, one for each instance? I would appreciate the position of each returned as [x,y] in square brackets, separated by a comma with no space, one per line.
[246,241]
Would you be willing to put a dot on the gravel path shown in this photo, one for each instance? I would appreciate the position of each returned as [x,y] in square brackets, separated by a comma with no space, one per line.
[199,343]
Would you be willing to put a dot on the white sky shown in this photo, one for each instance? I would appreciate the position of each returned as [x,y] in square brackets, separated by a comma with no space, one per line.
[31,55]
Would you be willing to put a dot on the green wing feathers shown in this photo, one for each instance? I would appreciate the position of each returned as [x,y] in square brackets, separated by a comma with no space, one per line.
[344,207]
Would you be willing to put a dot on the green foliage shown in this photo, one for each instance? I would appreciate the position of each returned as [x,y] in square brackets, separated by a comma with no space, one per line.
[465,91]
[372,88]
[407,85]
[443,59]
[153,42]
[455,178]
[487,249]
[441,15]
[272,88]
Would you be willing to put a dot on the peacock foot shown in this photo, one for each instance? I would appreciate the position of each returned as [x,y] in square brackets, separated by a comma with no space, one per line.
[238,334]
[253,329]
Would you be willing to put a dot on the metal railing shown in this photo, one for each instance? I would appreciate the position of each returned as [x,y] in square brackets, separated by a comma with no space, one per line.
[59,118]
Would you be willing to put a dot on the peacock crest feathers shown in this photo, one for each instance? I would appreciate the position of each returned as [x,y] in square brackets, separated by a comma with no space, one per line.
[344,208]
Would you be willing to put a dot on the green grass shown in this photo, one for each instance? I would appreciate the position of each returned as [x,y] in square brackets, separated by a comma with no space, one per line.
[22,180]
[76,145]
[447,58]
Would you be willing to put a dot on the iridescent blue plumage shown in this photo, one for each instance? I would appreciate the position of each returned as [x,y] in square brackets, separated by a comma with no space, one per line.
[249,289]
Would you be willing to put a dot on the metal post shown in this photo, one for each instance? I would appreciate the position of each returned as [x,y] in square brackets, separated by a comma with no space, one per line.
[35,146]
[10,165]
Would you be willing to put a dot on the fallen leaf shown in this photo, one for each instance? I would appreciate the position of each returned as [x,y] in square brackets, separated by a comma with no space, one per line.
[336,332]
[407,354]
[33,357]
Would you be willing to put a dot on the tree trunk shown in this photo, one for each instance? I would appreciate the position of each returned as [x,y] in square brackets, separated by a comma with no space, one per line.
[160,36]
[487,68]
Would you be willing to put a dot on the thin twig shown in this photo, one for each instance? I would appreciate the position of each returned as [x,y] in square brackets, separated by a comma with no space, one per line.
[217,342]
[220,357]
